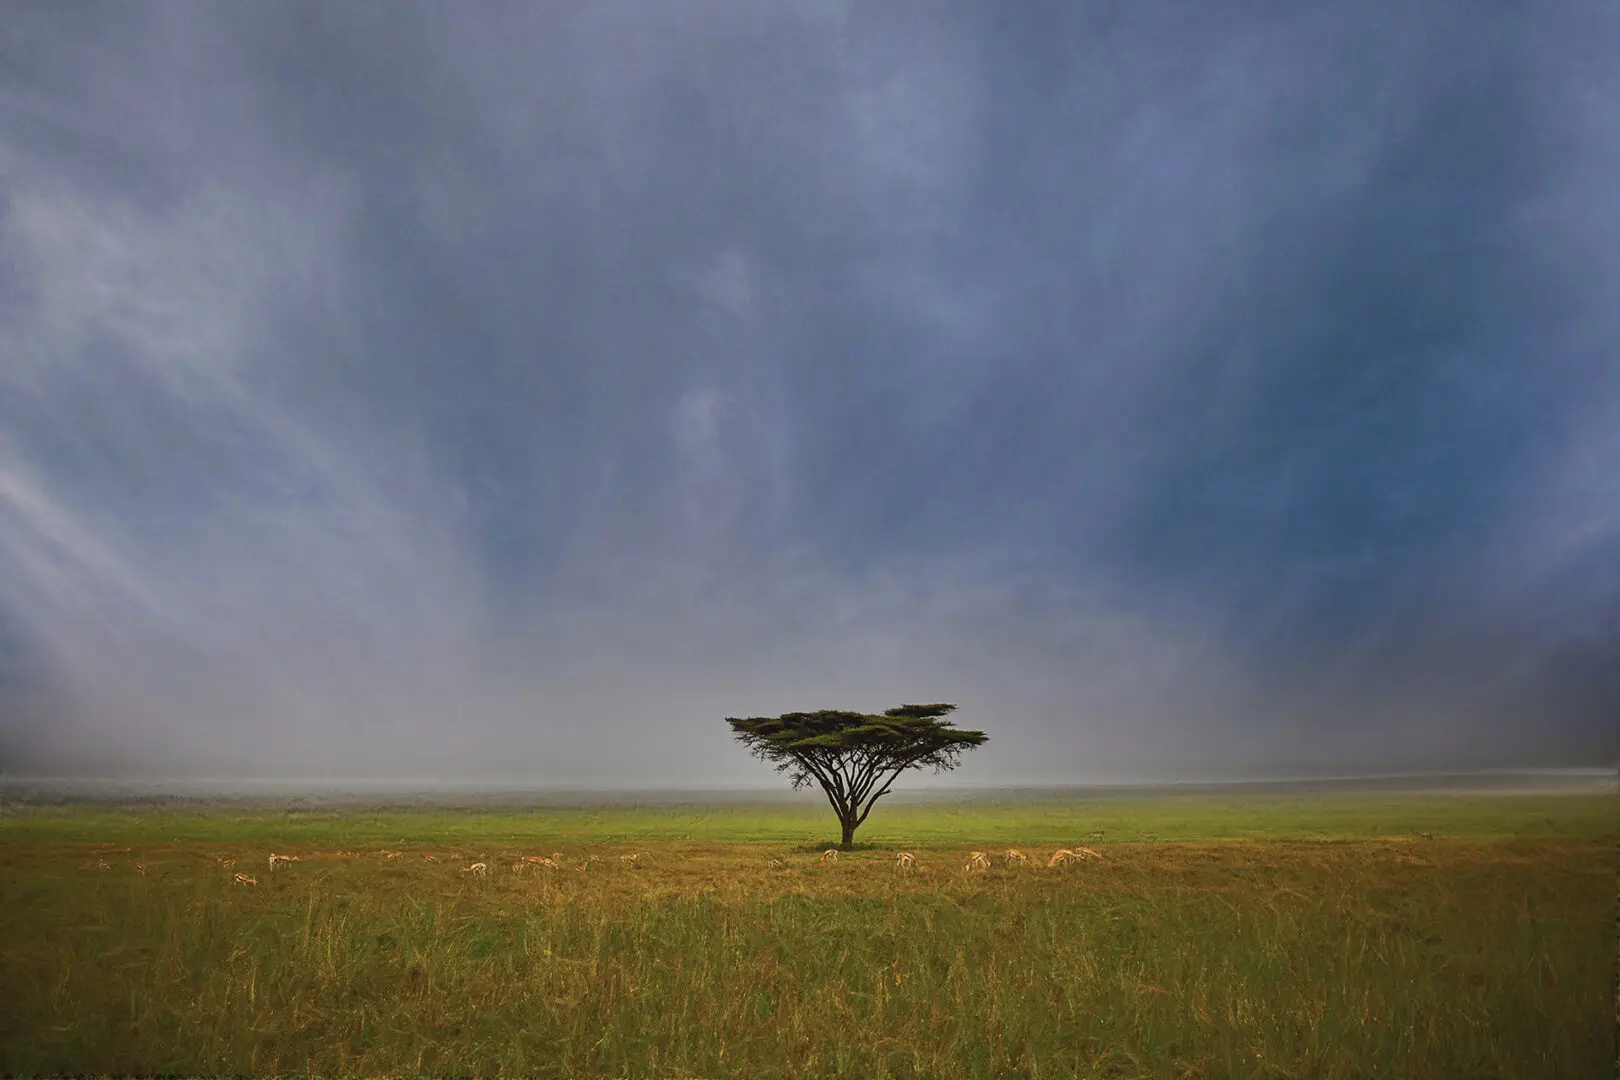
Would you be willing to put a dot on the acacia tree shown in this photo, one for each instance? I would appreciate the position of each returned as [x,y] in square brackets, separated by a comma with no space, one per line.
[855,757]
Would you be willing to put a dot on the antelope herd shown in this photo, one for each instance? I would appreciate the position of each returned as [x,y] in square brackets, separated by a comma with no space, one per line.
[904,861]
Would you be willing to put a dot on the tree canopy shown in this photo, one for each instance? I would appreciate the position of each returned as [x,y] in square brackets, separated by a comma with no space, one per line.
[856,757]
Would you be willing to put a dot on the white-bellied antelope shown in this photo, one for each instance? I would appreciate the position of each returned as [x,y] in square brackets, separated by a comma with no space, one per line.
[541,860]
[978,860]
[905,860]
[140,867]
[773,864]
[390,855]
[277,860]
[1016,856]
[632,861]
[244,879]
[430,858]
[477,869]
[1087,853]
[1062,857]
[830,855]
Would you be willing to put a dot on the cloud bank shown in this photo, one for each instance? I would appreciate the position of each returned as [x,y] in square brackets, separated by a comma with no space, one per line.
[394,391]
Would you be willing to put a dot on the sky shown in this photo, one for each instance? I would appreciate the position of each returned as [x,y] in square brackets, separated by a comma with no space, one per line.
[515,391]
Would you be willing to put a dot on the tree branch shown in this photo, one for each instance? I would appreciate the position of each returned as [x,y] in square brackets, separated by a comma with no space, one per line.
[893,776]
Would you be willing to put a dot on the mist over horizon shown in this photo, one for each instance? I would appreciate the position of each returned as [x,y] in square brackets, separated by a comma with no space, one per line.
[295,795]
[421,391]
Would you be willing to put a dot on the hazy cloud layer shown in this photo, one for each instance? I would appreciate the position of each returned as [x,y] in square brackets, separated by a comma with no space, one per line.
[1185,391]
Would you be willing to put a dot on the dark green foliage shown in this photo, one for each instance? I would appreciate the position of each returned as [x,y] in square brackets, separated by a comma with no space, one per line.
[856,757]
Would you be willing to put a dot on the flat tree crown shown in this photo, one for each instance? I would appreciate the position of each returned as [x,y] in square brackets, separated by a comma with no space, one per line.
[914,734]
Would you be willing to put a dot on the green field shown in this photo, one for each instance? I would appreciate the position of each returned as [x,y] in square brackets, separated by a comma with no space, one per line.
[1216,937]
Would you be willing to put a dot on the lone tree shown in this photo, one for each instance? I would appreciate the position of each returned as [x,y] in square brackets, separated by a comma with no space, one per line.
[855,757]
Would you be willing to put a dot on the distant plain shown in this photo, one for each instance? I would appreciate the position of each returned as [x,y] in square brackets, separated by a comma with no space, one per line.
[1256,932]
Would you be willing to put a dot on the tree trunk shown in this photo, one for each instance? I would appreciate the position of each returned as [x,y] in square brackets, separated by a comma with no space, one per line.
[849,834]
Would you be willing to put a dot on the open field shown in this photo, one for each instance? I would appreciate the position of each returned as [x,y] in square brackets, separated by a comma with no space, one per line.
[1218,937]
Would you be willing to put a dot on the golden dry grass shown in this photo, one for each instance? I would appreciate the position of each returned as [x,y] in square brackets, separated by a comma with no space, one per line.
[1482,956]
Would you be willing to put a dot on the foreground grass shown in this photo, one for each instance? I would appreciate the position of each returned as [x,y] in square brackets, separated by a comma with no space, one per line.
[1306,938]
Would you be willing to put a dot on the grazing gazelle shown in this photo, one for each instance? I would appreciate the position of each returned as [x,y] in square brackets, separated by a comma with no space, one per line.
[632,861]
[1016,856]
[477,869]
[830,855]
[243,879]
[541,860]
[773,864]
[978,860]
[1062,856]
[905,860]
[140,867]
[277,860]
[430,858]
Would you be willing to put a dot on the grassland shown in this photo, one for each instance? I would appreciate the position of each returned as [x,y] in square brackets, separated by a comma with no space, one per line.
[1308,937]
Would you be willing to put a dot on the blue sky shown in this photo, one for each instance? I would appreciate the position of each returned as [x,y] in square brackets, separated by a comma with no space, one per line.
[1184,390]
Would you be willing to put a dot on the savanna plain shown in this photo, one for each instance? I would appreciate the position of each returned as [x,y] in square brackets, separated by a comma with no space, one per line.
[1321,936]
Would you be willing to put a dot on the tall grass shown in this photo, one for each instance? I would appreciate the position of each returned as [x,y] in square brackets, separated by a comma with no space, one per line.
[1490,956]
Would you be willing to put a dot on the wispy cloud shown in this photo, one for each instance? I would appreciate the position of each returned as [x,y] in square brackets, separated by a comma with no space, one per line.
[416,393]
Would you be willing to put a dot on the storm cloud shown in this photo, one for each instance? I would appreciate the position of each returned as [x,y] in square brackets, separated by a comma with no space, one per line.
[517,390]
